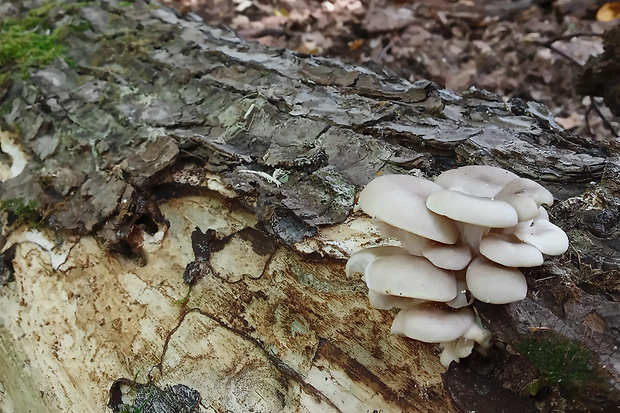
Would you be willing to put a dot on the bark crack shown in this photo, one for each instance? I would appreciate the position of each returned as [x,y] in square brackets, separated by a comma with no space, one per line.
[284,369]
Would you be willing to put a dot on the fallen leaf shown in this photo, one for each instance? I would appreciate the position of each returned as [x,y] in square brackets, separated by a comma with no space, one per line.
[608,12]
[281,12]
[356,44]
[568,122]
[307,49]
[385,19]
[416,35]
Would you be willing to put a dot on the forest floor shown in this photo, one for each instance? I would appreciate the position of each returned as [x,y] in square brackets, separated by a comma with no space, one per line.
[530,49]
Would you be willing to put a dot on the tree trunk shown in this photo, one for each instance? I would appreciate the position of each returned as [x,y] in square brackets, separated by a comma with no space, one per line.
[161,153]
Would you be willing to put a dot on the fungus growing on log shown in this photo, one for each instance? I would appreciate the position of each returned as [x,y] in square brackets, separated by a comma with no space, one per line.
[462,237]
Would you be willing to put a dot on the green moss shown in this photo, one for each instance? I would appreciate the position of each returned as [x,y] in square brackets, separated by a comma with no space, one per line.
[133,409]
[6,107]
[21,212]
[16,127]
[436,112]
[560,362]
[184,300]
[29,42]
[139,390]
[80,27]
[33,41]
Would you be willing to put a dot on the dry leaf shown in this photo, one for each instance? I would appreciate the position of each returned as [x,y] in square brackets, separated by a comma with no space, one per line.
[569,122]
[281,12]
[356,44]
[608,12]
[385,19]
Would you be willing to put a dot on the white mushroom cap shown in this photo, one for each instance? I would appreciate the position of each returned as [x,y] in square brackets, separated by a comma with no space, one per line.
[493,283]
[542,214]
[410,276]
[475,210]
[508,250]
[526,196]
[387,302]
[476,180]
[433,279]
[542,234]
[525,206]
[431,324]
[360,260]
[400,200]
[449,257]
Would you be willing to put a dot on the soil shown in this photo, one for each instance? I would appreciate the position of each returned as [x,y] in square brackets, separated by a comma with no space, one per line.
[530,49]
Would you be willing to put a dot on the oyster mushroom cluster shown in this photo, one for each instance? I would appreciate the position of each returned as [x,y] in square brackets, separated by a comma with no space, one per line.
[462,238]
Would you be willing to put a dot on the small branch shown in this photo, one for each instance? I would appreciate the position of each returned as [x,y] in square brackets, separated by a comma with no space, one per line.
[606,122]
[555,50]
[593,105]
[573,35]
[285,370]
[587,119]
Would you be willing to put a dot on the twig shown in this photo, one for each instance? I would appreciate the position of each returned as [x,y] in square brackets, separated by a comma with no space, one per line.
[593,105]
[573,35]
[554,49]
[587,119]
[606,123]
[385,50]
[263,175]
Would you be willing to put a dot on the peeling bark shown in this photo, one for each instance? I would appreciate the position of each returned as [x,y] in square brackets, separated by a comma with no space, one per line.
[170,150]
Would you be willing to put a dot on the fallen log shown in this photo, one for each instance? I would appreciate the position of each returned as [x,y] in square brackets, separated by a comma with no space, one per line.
[179,204]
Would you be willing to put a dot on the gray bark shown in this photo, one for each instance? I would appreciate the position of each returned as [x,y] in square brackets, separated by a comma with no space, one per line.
[157,112]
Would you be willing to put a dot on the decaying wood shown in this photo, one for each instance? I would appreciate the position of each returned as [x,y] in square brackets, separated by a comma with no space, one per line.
[171,150]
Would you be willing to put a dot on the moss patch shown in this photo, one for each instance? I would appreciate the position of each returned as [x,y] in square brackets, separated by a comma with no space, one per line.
[29,41]
[33,41]
[21,212]
[561,363]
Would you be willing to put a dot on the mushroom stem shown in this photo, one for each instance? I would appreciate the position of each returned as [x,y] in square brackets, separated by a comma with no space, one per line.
[472,234]
[455,350]
[478,333]
[413,243]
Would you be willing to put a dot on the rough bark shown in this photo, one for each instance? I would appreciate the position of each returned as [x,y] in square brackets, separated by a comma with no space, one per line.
[161,125]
